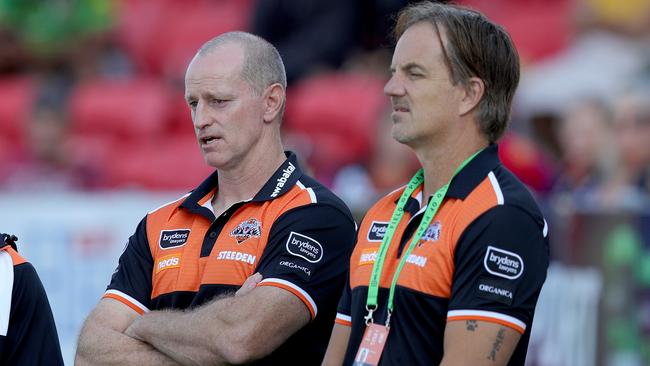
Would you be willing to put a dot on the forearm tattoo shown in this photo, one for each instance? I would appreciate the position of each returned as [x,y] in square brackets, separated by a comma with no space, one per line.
[471,325]
[501,335]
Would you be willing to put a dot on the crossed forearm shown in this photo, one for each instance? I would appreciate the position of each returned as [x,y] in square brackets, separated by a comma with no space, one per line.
[194,337]
[226,330]
[172,333]
[104,346]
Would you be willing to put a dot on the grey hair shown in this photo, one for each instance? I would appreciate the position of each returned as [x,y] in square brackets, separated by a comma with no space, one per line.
[263,65]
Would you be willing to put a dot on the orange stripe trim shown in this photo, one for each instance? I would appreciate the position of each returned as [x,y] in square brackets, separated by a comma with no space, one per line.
[125,302]
[15,257]
[343,322]
[302,298]
[487,319]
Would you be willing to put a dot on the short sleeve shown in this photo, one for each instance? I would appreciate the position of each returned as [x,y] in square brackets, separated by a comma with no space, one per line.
[344,309]
[500,265]
[131,281]
[32,337]
[308,254]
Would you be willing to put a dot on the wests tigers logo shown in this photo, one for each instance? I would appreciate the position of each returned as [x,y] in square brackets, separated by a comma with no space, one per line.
[250,228]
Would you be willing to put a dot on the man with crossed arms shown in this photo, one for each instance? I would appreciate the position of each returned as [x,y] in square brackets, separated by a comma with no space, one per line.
[258,217]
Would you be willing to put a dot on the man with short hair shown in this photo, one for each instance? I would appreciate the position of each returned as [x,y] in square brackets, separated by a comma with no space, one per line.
[258,217]
[446,270]
[27,331]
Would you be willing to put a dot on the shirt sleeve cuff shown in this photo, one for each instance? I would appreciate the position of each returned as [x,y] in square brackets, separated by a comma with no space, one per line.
[294,289]
[343,319]
[126,300]
[488,316]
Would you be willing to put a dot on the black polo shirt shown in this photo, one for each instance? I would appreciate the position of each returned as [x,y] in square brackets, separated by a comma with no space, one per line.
[295,232]
[27,331]
[483,257]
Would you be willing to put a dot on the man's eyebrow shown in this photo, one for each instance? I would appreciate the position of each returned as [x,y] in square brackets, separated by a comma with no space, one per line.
[413,66]
[408,67]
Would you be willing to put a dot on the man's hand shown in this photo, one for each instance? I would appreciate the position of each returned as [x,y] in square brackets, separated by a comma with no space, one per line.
[102,341]
[131,332]
[250,283]
[226,330]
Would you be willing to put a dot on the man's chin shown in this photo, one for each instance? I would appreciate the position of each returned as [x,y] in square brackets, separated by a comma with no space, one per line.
[401,137]
[215,162]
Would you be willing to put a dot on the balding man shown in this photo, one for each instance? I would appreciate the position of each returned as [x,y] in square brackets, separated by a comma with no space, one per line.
[257,217]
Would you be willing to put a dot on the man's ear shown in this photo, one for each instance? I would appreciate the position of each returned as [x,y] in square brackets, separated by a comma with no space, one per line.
[473,93]
[273,102]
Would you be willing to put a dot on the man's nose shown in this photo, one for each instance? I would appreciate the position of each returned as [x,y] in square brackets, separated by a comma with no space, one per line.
[202,116]
[394,87]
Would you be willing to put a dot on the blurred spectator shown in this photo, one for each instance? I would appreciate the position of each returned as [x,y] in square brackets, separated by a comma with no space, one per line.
[374,24]
[13,56]
[310,35]
[631,17]
[584,135]
[389,167]
[600,62]
[44,160]
[526,159]
[629,187]
[64,35]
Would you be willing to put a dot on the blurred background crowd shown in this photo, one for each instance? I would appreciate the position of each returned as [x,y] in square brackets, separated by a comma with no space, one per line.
[91,100]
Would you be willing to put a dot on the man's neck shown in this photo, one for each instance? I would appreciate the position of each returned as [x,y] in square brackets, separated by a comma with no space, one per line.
[243,181]
[440,160]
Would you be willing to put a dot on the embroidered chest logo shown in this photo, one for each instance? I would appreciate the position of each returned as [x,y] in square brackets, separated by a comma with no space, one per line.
[432,233]
[173,238]
[377,231]
[250,228]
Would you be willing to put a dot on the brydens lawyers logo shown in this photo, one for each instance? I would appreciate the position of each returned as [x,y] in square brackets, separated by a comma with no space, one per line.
[304,247]
[250,228]
[286,173]
[503,263]
[377,231]
[173,238]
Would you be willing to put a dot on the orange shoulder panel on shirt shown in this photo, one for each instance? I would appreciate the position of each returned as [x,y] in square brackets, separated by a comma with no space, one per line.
[157,219]
[15,257]
[479,201]
[365,251]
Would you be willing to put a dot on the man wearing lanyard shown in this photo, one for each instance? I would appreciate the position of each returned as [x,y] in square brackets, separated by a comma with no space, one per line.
[447,270]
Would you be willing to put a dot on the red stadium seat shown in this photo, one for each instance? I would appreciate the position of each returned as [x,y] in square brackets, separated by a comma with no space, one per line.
[158,166]
[16,101]
[7,156]
[539,28]
[337,113]
[131,109]
[527,161]
[162,36]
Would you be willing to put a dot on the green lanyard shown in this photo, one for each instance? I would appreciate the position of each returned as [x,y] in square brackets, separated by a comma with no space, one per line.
[429,213]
